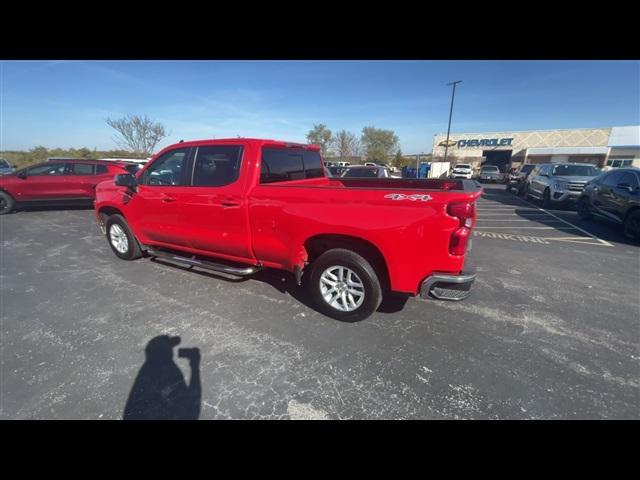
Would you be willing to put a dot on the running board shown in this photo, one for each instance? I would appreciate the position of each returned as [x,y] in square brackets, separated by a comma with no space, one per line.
[195,262]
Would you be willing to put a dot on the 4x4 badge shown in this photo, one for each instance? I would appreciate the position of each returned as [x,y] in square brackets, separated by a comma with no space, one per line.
[414,197]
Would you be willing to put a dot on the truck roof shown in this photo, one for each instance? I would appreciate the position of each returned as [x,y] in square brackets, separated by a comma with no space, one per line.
[260,141]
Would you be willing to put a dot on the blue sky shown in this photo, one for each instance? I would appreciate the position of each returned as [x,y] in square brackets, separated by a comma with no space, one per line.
[64,103]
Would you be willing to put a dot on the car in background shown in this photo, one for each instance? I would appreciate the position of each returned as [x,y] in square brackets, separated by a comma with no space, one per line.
[614,196]
[557,183]
[462,170]
[490,173]
[365,171]
[516,180]
[53,182]
[6,167]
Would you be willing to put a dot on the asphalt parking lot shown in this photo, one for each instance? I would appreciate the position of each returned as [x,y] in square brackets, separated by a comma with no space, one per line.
[551,330]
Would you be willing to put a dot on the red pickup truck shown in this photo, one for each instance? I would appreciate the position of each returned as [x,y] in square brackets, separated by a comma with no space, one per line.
[240,205]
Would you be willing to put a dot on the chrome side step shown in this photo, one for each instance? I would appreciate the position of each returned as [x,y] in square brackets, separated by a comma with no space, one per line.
[196,262]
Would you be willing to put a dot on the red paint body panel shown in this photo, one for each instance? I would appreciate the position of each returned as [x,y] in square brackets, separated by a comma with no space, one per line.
[269,224]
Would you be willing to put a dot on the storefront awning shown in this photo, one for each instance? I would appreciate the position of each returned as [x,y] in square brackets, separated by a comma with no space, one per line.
[568,151]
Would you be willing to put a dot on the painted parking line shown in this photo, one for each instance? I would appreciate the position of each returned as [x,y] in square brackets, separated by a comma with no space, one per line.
[535,239]
[496,208]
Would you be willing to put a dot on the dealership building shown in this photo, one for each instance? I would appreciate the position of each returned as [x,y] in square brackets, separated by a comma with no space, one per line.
[611,146]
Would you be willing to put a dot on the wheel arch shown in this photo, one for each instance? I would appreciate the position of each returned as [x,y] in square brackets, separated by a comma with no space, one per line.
[316,245]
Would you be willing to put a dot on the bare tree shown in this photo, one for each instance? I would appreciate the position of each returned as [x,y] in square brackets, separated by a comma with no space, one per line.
[137,133]
[346,144]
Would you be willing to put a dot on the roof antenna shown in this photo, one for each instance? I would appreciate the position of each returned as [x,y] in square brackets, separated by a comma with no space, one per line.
[181,141]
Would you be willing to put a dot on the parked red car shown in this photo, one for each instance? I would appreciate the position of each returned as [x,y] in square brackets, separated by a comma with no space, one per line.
[64,182]
[251,204]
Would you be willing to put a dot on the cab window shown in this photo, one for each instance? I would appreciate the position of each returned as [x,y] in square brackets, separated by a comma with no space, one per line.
[216,166]
[80,169]
[612,179]
[46,169]
[629,179]
[168,170]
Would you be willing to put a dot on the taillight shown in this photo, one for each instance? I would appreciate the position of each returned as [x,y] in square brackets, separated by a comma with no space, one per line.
[464,212]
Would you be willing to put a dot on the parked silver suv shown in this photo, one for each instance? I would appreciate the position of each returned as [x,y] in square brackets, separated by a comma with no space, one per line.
[555,183]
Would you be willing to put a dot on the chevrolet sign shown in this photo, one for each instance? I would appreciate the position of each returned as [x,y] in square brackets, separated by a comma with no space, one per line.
[485,142]
[451,143]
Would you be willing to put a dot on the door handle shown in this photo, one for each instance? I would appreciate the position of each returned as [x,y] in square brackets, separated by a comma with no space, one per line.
[229,203]
[168,199]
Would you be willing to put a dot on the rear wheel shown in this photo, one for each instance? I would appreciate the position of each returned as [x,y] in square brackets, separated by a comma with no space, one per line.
[344,285]
[121,239]
[7,203]
[632,225]
[583,208]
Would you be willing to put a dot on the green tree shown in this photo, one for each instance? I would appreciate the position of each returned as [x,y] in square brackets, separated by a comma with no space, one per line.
[398,160]
[378,144]
[320,135]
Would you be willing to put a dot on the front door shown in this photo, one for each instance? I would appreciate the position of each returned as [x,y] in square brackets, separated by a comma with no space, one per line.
[46,181]
[158,205]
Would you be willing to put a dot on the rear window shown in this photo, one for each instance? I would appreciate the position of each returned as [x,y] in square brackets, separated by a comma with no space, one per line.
[462,165]
[282,164]
[489,168]
[101,169]
[361,173]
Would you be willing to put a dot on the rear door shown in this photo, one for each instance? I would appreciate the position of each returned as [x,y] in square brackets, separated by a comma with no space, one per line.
[46,181]
[81,180]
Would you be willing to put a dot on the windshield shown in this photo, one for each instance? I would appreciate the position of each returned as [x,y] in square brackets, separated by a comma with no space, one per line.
[462,165]
[490,168]
[361,172]
[4,163]
[527,168]
[575,170]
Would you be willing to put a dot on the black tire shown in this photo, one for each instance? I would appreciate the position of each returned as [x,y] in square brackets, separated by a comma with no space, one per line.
[339,257]
[133,250]
[7,203]
[583,207]
[546,198]
[631,225]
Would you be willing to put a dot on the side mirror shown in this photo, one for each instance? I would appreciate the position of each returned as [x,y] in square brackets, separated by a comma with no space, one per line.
[22,174]
[126,180]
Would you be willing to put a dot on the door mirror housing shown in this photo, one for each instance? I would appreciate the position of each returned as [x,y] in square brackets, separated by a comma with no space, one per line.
[22,174]
[126,180]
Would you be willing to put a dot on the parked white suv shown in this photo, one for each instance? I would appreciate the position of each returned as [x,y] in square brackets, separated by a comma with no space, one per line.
[462,170]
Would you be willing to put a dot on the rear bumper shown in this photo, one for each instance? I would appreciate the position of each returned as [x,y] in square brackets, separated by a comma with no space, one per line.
[447,287]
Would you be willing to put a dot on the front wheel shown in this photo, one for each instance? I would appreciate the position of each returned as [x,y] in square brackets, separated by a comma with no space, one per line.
[632,225]
[344,285]
[546,198]
[121,239]
[7,203]
[584,209]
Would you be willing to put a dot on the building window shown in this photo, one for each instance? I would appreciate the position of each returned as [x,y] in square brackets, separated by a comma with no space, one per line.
[619,162]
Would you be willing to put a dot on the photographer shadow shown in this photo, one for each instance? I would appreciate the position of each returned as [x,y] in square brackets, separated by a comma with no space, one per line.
[160,391]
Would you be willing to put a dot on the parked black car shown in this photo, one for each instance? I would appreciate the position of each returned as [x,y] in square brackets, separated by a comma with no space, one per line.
[335,171]
[615,196]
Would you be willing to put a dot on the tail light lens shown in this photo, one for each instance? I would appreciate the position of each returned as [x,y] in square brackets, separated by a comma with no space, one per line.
[465,213]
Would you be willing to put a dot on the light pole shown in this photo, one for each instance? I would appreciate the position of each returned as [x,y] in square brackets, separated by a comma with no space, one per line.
[453,95]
